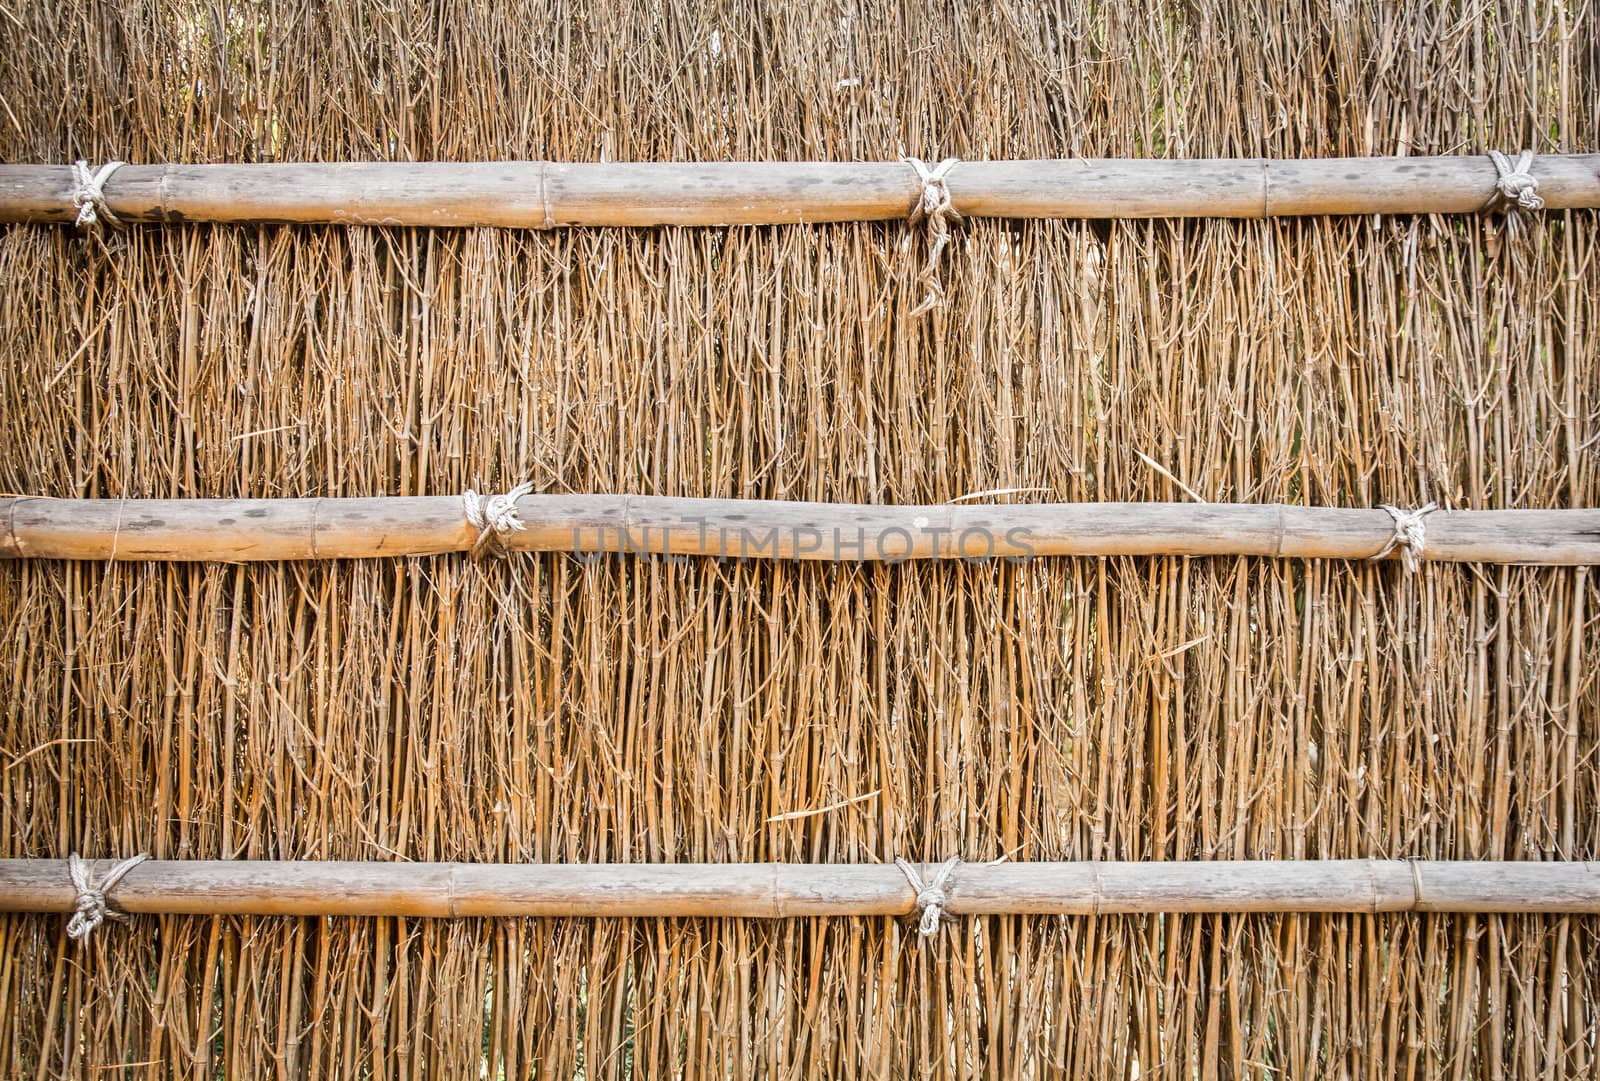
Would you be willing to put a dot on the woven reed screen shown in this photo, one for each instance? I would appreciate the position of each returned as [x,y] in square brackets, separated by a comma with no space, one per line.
[550,709]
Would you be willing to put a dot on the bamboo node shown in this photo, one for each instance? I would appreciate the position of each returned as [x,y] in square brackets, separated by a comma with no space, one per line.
[1516,185]
[495,518]
[89,194]
[1410,535]
[931,896]
[92,908]
[933,206]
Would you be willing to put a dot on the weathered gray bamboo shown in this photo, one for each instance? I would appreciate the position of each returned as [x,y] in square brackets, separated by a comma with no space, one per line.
[773,890]
[544,195]
[243,530]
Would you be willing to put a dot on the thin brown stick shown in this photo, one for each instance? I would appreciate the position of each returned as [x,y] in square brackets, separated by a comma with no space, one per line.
[543,195]
[249,530]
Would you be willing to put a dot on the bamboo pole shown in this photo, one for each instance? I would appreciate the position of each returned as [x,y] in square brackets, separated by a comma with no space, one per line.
[246,530]
[776,890]
[545,195]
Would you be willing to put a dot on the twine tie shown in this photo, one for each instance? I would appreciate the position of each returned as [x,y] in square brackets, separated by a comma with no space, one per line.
[1516,184]
[92,909]
[495,518]
[931,896]
[89,193]
[1410,534]
[934,207]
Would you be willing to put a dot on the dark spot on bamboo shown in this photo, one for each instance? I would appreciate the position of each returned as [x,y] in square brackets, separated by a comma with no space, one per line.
[259,512]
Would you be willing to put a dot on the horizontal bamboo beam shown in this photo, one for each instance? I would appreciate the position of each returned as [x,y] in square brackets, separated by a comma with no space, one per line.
[546,195]
[244,530]
[776,890]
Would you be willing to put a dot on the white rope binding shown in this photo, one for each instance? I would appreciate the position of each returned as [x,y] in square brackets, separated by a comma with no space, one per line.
[1516,183]
[495,518]
[92,908]
[931,896]
[934,207]
[89,193]
[1410,534]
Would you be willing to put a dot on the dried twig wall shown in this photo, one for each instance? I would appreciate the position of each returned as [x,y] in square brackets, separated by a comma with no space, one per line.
[545,709]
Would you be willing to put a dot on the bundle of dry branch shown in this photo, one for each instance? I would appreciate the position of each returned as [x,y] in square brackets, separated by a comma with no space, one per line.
[547,709]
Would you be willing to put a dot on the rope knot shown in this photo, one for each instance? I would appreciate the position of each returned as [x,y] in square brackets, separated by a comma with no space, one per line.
[495,518]
[933,206]
[92,907]
[1410,534]
[1516,185]
[931,895]
[89,193]
[935,197]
